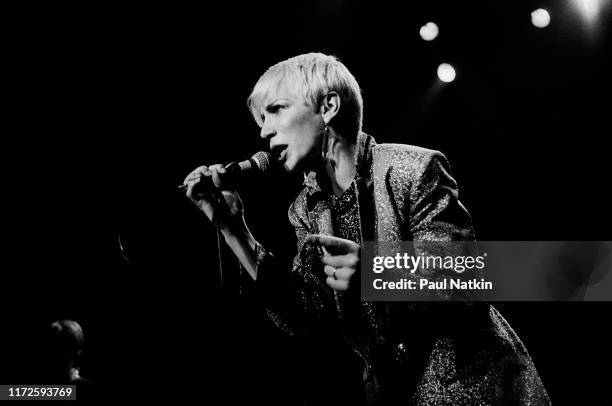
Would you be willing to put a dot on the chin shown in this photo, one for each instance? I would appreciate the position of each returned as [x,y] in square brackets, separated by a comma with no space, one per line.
[305,164]
[292,164]
[290,167]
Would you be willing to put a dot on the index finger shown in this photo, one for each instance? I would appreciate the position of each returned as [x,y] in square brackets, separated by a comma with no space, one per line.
[333,244]
[199,171]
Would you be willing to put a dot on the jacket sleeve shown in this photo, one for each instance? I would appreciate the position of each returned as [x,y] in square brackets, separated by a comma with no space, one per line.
[438,225]
[435,212]
[295,298]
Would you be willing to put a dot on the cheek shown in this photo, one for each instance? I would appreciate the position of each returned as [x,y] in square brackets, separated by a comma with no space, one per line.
[306,140]
[309,133]
[302,130]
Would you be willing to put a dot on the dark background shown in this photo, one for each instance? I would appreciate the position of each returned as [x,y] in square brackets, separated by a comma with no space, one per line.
[114,106]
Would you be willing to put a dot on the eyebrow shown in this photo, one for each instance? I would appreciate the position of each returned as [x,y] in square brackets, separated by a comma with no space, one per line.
[267,106]
[274,102]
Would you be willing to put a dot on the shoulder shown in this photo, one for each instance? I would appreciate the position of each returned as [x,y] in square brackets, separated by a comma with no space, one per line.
[408,161]
[415,155]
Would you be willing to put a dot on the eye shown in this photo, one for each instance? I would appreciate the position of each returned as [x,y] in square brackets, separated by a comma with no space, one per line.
[274,108]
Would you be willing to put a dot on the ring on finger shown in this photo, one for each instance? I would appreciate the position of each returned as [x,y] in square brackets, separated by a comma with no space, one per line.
[334,274]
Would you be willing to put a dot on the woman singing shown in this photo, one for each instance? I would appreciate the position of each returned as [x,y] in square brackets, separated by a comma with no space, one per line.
[310,110]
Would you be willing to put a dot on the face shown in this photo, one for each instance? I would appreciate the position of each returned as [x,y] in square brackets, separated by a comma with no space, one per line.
[293,129]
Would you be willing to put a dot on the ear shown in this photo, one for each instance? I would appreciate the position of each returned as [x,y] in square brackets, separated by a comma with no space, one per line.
[330,106]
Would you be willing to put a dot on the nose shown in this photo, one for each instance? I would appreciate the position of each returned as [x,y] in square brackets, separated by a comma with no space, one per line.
[267,130]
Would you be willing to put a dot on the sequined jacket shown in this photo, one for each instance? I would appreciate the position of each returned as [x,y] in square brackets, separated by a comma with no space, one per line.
[405,353]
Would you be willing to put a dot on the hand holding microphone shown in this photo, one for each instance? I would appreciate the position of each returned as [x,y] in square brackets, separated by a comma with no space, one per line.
[230,175]
[210,188]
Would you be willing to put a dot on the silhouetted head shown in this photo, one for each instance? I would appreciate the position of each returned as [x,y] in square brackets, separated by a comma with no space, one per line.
[65,346]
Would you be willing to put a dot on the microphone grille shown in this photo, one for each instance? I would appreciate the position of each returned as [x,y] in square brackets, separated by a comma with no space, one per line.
[262,159]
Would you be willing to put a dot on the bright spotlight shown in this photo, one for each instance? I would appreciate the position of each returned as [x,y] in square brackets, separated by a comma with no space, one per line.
[429,31]
[446,72]
[540,18]
[589,9]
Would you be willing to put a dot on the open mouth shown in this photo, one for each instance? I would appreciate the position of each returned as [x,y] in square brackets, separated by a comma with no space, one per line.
[279,151]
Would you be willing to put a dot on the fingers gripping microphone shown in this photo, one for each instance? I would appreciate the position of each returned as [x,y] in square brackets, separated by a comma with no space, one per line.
[234,171]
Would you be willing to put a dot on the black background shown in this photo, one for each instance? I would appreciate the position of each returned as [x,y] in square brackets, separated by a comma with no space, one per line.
[114,106]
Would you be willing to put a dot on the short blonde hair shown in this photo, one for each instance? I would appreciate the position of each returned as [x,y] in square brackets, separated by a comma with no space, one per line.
[314,75]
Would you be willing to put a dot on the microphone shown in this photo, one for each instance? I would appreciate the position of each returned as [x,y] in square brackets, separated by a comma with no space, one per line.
[259,163]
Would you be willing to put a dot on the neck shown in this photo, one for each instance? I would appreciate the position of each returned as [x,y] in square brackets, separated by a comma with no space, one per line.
[340,168]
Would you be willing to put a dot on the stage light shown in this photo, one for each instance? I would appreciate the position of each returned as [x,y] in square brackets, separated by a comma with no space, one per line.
[446,72]
[589,9]
[540,18]
[429,31]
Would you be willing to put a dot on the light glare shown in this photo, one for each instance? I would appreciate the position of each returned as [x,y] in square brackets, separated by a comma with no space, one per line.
[589,9]
[429,31]
[446,72]
[540,18]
